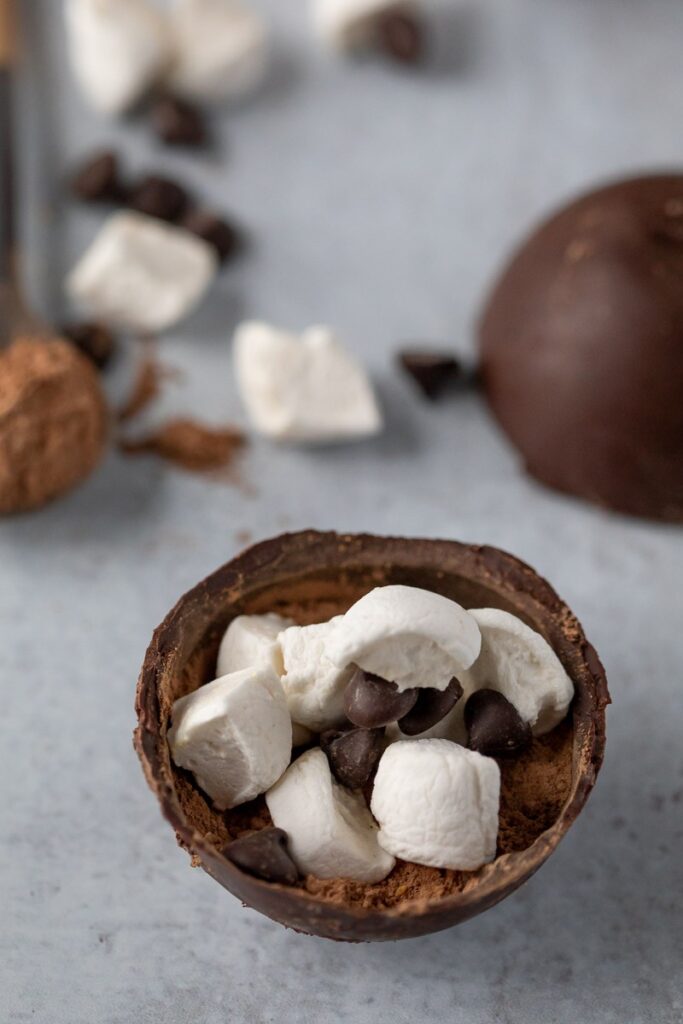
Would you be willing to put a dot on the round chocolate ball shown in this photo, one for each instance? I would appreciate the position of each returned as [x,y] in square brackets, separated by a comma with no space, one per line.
[582,348]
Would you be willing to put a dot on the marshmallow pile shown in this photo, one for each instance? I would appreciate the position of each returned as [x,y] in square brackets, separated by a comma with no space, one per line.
[404,703]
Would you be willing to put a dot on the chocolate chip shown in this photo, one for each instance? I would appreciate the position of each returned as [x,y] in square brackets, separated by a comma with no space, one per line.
[399,36]
[494,725]
[213,229]
[431,706]
[433,371]
[94,340]
[353,755]
[372,702]
[159,197]
[178,123]
[97,180]
[264,854]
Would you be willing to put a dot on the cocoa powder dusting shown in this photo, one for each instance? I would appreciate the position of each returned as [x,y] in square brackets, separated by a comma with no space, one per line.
[189,445]
[146,388]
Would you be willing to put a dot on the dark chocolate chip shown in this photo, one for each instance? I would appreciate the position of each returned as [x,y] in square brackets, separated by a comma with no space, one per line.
[433,371]
[264,854]
[494,726]
[371,702]
[219,233]
[97,180]
[353,755]
[178,123]
[430,707]
[159,197]
[94,340]
[400,36]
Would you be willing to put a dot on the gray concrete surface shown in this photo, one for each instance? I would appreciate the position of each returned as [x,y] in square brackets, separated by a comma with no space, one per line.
[382,202]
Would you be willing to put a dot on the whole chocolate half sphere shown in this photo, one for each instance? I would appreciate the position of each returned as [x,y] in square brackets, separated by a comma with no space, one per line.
[311,576]
[582,348]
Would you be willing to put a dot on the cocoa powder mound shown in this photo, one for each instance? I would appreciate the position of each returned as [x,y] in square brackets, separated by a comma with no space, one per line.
[190,445]
[53,421]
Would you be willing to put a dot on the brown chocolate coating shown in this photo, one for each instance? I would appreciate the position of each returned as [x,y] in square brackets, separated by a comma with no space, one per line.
[322,573]
[582,348]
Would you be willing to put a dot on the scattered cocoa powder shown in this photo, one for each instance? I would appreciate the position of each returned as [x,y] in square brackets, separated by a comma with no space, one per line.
[189,445]
[146,387]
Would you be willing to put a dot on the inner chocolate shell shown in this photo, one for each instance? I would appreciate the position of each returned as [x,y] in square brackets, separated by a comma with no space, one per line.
[312,576]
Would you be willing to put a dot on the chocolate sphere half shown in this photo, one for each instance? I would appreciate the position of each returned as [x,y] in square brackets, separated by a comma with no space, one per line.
[582,348]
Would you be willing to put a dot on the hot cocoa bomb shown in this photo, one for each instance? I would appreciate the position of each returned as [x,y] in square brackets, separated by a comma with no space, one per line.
[582,348]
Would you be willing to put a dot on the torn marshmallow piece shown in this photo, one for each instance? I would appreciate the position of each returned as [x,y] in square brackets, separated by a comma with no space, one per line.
[220,49]
[313,685]
[117,49]
[234,735]
[252,640]
[437,804]
[518,662]
[142,274]
[303,388]
[350,24]
[330,830]
[408,636]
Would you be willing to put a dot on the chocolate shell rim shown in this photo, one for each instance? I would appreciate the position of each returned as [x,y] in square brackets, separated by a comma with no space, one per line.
[488,566]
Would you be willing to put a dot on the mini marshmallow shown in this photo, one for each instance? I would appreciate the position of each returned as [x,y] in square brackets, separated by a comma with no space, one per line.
[221,49]
[234,735]
[303,388]
[117,49]
[252,640]
[313,685]
[141,273]
[348,24]
[520,664]
[407,636]
[330,830]
[437,804]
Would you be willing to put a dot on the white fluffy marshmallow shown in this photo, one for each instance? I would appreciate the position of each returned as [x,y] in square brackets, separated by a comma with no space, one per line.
[221,49]
[234,735]
[408,636]
[437,804]
[252,640]
[141,273]
[313,685]
[348,24]
[520,664]
[303,388]
[330,830]
[117,48]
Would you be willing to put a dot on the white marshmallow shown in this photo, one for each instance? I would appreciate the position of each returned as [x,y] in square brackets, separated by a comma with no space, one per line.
[252,640]
[117,49]
[303,388]
[408,636]
[234,735]
[141,273]
[221,49]
[313,685]
[520,664]
[437,804]
[301,735]
[330,830]
[348,24]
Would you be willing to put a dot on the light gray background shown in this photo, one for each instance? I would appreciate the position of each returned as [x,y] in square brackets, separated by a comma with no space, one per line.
[382,202]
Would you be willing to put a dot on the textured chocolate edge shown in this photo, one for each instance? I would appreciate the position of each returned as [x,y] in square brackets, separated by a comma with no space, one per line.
[514,582]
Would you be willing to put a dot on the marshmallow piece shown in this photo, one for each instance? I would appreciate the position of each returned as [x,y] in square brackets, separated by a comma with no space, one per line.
[252,640]
[410,637]
[313,685]
[234,735]
[348,24]
[117,49]
[221,49]
[330,830]
[141,273]
[303,388]
[519,663]
[301,735]
[437,804]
